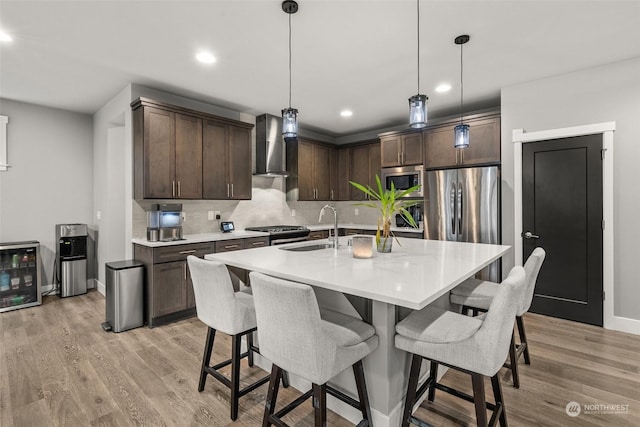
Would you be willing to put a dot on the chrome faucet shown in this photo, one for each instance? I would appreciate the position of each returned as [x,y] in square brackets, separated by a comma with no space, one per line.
[335,224]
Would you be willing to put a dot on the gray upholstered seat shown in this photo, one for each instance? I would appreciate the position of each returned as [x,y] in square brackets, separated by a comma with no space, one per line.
[477,295]
[476,346]
[296,337]
[223,309]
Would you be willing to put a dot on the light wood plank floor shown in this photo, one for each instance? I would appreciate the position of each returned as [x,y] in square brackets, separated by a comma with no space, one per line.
[57,367]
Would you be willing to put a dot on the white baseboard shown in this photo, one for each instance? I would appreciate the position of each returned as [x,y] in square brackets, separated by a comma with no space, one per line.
[101,288]
[624,324]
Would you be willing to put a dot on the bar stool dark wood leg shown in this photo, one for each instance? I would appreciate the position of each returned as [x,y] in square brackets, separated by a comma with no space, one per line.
[272,395]
[208,347]
[523,339]
[479,399]
[433,377]
[363,396]
[236,340]
[320,404]
[513,358]
[497,395]
[412,388]
[250,348]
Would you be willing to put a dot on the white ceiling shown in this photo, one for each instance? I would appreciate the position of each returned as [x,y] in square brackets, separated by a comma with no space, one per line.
[354,54]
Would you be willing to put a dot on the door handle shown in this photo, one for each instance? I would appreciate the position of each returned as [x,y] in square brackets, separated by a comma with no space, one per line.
[452,205]
[530,235]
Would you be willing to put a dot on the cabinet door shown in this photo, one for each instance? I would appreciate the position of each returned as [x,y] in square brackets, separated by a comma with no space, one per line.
[215,164]
[411,149]
[359,170]
[374,164]
[343,174]
[188,157]
[322,172]
[191,297]
[169,288]
[440,152]
[306,187]
[390,151]
[240,163]
[159,154]
[333,175]
[484,142]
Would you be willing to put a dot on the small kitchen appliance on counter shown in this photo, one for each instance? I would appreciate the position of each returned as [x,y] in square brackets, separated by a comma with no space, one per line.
[71,259]
[164,222]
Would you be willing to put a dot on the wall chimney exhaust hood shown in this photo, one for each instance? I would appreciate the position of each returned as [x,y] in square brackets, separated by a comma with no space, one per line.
[270,146]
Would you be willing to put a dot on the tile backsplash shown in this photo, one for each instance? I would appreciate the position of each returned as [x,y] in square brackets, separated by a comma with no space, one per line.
[268,206]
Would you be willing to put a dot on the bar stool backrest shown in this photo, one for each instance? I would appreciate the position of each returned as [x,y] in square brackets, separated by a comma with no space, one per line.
[215,297]
[531,268]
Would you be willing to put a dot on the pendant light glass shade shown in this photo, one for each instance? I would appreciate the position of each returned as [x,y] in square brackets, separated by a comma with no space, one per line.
[289,123]
[289,115]
[461,136]
[418,111]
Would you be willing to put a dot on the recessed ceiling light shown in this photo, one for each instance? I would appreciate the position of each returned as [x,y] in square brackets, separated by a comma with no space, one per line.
[4,37]
[444,87]
[205,57]
[346,113]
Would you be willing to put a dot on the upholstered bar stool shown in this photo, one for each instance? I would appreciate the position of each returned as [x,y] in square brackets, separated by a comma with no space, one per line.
[316,346]
[476,295]
[233,313]
[474,345]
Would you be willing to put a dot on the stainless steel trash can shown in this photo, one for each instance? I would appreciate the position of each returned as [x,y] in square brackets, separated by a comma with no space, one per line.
[124,289]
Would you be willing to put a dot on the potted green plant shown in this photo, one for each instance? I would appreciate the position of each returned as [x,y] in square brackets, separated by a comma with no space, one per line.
[388,202]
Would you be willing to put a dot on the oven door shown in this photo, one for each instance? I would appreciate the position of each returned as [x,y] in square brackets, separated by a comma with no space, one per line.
[404,178]
[281,240]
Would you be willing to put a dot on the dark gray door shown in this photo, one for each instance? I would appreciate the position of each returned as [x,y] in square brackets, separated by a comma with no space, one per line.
[562,213]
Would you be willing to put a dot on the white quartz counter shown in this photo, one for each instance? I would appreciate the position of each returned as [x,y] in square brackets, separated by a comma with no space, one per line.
[413,275]
[201,238]
[316,227]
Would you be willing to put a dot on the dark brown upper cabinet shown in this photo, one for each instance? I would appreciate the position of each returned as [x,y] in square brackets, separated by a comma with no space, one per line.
[186,154]
[310,164]
[401,149]
[365,165]
[484,144]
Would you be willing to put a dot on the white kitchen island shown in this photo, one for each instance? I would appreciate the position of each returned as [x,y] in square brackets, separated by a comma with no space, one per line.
[414,275]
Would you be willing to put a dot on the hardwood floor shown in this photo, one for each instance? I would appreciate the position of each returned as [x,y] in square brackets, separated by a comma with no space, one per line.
[58,367]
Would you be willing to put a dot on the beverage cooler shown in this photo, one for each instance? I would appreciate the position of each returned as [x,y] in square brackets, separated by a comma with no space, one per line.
[20,284]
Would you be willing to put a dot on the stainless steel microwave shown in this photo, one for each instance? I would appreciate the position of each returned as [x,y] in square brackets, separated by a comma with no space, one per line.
[404,178]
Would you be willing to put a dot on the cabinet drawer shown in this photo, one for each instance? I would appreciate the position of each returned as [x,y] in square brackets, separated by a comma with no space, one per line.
[229,245]
[319,234]
[181,252]
[256,242]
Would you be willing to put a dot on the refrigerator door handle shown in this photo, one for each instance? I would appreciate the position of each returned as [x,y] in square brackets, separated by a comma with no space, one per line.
[452,202]
[459,213]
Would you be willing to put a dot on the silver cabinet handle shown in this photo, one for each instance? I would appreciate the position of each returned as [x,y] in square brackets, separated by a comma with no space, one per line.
[332,194]
[188,252]
[231,246]
[530,235]
[228,194]
[398,157]
[460,207]
[403,157]
[173,189]
[232,191]
[179,189]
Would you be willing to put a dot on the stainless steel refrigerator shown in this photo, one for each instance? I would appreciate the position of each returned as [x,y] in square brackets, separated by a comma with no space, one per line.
[464,205]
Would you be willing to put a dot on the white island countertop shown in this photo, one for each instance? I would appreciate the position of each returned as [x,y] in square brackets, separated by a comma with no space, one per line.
[412,275]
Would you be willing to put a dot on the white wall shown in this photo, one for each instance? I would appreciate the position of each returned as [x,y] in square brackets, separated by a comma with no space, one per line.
[51,175]
[603,94]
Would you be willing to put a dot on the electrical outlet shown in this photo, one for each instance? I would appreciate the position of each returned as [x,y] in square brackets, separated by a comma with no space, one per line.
[355,211]
[217,214]
[210,215]
[98,215]
[293,212]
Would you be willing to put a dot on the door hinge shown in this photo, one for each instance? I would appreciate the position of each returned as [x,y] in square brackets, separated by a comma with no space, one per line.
[602,153]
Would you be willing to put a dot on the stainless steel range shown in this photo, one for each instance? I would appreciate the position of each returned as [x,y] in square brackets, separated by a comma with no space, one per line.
[281,234]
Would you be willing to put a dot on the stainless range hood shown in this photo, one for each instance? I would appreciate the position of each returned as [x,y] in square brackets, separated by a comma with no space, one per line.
[270,146]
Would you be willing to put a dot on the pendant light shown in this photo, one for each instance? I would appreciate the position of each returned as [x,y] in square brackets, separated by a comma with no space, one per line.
[418,103]
[461,139]
[289,115]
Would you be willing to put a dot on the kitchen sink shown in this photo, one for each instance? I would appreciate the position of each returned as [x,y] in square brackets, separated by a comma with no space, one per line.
[306,248]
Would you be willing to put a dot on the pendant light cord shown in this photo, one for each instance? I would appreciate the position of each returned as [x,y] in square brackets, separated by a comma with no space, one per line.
[289,60]
[461,86]
[418,55]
